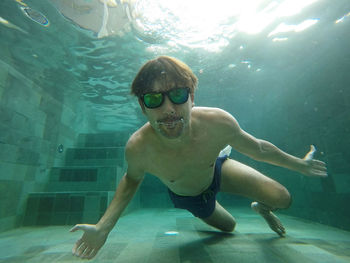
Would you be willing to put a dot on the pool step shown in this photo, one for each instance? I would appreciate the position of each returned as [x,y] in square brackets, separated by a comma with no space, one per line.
[81,190]
[75,178]
[95,156]
[102,139]
[66,208]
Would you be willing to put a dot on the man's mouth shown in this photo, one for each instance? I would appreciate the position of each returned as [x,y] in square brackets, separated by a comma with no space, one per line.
[170,123]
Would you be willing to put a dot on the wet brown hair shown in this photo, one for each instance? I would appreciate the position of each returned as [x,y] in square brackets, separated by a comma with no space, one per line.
[166,69]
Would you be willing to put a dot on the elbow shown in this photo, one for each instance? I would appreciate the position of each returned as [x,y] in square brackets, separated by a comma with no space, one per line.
[265,150]
[263,146]
[261,151]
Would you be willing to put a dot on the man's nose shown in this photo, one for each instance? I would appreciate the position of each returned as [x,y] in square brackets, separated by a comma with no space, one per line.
[168,106]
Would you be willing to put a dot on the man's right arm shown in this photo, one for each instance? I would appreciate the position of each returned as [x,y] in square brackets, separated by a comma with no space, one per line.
[95,236]
[126,189]
[125,192]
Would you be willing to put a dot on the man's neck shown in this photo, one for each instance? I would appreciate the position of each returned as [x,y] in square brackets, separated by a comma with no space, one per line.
[179,142]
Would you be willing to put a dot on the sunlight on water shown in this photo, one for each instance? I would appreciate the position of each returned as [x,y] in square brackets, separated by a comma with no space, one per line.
[342,19]
[210,24]
[296,28]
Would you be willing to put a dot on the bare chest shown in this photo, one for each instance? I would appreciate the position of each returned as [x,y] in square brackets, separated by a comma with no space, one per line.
[185,173]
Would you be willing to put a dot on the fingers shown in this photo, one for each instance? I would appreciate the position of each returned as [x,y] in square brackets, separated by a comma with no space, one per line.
[310,154]
[312,148]
[75,228]
[318,168]
[83,248]
[76,246]
[83,251]
[80,251]
[77,249]
[89,253]
[318,165]
[93,253]
[319,173]
[80,227]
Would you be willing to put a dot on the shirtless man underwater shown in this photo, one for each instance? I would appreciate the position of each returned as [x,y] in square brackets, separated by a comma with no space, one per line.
[180,144]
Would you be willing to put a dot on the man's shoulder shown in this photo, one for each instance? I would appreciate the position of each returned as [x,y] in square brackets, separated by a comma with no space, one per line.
[208,112]
[214,118]
[137,139]
[134,152]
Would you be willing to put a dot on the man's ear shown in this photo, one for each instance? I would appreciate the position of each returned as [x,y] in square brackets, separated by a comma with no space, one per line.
[192,99]
[142,106]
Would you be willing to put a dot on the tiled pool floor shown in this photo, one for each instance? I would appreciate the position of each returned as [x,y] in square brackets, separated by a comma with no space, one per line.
[141,237]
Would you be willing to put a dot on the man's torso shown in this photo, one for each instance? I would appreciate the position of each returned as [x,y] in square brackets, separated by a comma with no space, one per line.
[186,170]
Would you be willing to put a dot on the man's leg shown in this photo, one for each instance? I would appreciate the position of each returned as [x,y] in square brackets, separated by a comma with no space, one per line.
[221,219]
[240,179]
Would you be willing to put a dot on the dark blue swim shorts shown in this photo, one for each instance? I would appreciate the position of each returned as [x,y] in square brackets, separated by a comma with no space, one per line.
[202,205]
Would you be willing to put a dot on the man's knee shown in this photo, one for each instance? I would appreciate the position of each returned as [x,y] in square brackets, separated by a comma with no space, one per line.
[228,226]
[284,199]
[288,200]
[221,219]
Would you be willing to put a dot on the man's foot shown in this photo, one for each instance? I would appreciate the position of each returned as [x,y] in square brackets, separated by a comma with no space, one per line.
[273,221]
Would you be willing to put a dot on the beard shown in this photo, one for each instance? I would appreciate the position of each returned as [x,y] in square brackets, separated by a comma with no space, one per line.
[171,128]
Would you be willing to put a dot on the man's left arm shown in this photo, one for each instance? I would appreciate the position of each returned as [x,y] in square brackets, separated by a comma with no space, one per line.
[269,153]
[265,151]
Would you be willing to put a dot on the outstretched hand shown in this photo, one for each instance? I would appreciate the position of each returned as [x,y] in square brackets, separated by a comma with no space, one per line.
[90,243]
[313,167]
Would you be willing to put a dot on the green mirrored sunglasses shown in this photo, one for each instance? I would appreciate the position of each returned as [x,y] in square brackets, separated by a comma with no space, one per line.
[155,100]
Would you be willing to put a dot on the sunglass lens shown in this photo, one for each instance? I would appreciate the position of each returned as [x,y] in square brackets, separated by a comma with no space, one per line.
[179,96]
[153,100]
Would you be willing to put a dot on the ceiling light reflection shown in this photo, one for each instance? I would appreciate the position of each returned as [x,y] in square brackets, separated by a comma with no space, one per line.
[171,233]
[279,39]
[283,28]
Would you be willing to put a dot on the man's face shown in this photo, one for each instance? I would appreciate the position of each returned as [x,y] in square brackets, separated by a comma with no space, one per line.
[169,119]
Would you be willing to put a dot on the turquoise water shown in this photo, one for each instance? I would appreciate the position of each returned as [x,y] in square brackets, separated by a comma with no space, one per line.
[281,70]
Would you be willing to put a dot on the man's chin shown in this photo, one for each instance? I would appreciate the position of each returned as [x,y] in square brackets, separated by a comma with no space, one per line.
[170,132]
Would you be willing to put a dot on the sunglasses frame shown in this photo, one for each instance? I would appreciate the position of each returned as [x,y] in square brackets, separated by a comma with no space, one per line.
[163,97]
